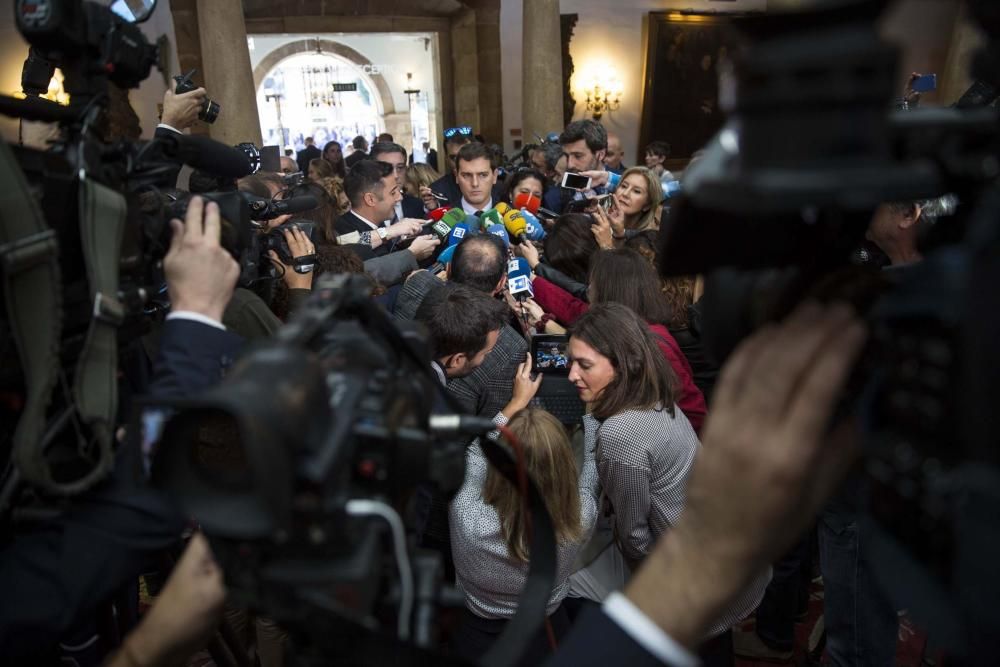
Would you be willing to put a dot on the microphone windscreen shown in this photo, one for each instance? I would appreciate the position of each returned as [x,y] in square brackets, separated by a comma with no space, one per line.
[438,213]
[206,155]
[533,227]
[458,233]
[453,217]
[491,217]
[527,202]
[498,230]
[518,266]
[447,254]
[502,208]
[514,223]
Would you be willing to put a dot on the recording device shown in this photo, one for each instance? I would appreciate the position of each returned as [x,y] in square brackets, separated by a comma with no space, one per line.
[209,110]
[265,158]
[85,230]
[277,242]
[775,212]
[296,463]
[924,84]
[533,228]
[578,182]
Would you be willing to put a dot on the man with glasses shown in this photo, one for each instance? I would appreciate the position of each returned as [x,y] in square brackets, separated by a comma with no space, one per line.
[395,155]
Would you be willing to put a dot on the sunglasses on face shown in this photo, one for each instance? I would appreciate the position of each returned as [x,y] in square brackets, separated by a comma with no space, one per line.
[464,130]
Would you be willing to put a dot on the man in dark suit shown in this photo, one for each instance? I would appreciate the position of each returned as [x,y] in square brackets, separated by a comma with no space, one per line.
[480,263]
[304,156]
[447,185]
[432,156]
[360,145]
[395,155]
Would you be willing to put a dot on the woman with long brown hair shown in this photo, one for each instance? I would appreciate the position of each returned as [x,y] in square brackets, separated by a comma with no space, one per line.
[645,446]
[489,535]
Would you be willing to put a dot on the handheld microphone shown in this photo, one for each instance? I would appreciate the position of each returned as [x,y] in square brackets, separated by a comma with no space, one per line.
[519,279]
[498,230]
[527,201]
[438,213]
[533,227]
[515,225]
[458,234]
[445,256]
[443,226]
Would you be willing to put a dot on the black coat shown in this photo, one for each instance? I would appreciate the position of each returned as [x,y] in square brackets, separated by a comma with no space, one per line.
[305,155]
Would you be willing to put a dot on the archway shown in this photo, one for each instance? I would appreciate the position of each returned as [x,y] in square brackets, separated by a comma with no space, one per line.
[296,96]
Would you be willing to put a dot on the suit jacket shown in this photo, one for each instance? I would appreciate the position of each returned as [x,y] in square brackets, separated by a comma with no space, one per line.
[597,640]
[354,158]
[413,207]
[64,569]
[305,155]
[487,390]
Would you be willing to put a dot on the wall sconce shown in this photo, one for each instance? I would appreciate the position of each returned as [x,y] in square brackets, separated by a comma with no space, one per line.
[602,92]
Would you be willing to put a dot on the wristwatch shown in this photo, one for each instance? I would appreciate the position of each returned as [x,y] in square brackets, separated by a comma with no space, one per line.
[383,233]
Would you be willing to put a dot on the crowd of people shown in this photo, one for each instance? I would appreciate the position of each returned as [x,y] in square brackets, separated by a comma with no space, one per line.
[659,486]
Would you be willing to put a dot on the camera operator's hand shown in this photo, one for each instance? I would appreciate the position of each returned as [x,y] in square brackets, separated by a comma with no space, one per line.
[525,388]
[300,246]
[766,444]
[430,201]
[181,111]
[529,252]
[405,227]
[201,275]
[423,246]
[183,617]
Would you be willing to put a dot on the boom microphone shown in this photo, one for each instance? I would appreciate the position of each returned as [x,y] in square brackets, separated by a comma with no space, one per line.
[269,209]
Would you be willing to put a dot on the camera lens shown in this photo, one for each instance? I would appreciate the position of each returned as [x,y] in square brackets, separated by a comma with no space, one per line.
[210,111]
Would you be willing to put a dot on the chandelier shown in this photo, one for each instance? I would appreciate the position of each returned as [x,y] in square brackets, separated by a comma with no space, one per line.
[317,82]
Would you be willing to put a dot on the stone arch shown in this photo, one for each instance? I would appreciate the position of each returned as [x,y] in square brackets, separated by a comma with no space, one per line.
[272,59]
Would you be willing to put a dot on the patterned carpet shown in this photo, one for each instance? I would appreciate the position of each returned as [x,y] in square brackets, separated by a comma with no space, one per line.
[909,650]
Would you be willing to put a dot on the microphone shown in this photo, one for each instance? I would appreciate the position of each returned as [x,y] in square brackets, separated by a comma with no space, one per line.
[445,256]
[519,279]
[448,221]
[458,234]
[438,213]
[498,230]
[515,225]
[533,228]
[206,155]
[528,201]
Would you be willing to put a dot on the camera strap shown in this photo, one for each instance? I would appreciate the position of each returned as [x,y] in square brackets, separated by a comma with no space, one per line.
[29,254]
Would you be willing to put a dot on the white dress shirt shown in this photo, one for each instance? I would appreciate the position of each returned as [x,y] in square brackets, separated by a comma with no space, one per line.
[471,210]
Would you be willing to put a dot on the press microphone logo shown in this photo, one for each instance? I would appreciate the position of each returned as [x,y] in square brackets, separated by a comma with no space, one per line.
[458,233]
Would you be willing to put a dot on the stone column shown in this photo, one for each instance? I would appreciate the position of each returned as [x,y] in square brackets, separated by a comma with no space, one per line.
[227,74]
[543,85]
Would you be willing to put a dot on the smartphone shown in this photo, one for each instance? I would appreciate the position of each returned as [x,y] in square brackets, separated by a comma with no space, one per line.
[550,354]
[572,181]
[924,84]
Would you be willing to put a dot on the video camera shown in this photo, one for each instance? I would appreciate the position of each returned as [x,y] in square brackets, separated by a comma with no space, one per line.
[776,211]
[82,235]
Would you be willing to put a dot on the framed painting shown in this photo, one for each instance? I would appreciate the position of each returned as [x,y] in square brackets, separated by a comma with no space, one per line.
[681,93]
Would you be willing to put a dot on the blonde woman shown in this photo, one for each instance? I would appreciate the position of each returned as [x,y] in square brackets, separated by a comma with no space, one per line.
[489,538]
[637,201]
[418,176]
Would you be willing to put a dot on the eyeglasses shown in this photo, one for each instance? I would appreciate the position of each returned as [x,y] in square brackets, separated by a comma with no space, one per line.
[464,130]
